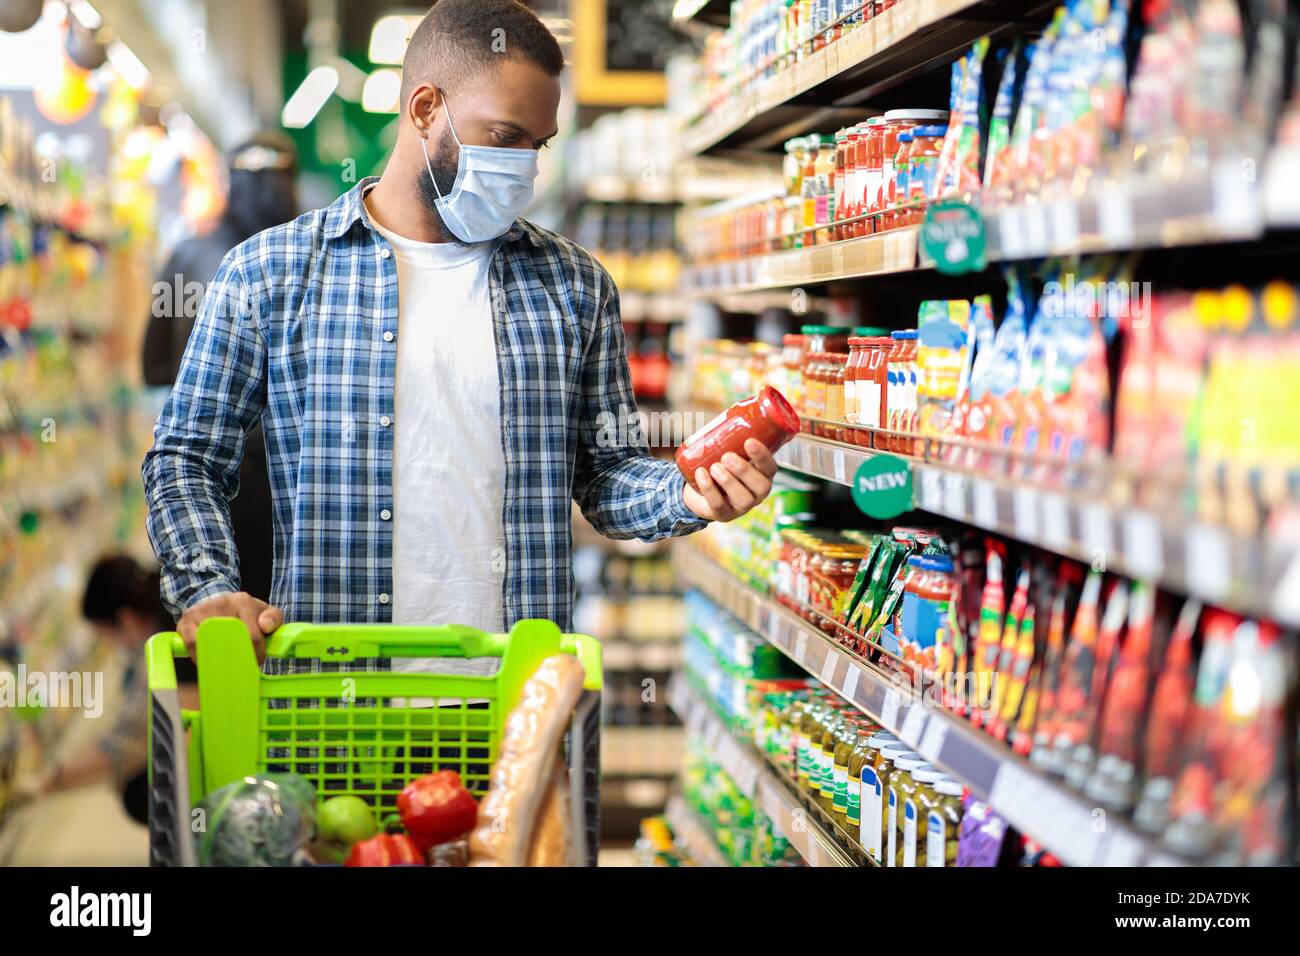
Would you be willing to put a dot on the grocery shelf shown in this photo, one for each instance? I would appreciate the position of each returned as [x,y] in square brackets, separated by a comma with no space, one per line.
[1257,574]
[880,254]
[1220,204]
[1061,820]
[842,78]
[812,839]
[693,834]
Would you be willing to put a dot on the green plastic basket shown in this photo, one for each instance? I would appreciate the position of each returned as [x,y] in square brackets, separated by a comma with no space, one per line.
[360,732]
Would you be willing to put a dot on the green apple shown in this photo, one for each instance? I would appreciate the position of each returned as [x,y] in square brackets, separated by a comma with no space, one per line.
[341,822]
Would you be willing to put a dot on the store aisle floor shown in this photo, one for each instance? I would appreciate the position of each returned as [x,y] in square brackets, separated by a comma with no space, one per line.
[83,827]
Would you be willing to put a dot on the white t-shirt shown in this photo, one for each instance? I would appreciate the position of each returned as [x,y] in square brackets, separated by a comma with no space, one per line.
[448,463]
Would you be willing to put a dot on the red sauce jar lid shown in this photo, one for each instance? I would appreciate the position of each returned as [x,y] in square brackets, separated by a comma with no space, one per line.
[780,411]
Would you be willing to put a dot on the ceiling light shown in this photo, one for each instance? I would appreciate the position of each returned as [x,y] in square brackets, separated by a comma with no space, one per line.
[382,91]
[389,36]
[308,99]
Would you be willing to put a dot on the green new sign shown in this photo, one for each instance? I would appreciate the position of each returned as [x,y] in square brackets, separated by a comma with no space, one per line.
[953,236]
[882,487]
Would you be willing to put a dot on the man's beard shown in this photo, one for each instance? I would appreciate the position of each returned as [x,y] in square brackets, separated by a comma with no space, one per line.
[445,162]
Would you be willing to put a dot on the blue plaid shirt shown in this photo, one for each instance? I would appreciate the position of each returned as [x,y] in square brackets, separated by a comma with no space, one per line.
[299,328]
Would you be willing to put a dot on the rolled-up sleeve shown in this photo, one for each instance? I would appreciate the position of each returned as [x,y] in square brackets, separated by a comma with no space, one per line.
[622,490]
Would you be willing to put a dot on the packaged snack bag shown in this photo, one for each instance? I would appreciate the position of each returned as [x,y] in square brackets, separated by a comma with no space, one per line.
[943,335]
[1065,686]
[958,172]
[1114,781]
[1171,703]
[997,184]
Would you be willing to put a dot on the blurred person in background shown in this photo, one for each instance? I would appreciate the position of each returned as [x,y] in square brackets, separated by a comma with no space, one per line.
[122,605]
[262,194]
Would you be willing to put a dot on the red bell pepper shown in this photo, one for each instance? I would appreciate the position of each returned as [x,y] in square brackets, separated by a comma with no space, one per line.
[386,849]
[436,808]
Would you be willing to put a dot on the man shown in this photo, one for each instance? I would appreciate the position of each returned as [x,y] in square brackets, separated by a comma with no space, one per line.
[431,375]
[261,195]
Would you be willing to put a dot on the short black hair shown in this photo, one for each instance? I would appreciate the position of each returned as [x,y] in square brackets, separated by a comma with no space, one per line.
[119,583]
[458,38]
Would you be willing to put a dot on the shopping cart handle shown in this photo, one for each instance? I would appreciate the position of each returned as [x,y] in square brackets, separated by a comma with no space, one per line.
[344,642]
[161,652]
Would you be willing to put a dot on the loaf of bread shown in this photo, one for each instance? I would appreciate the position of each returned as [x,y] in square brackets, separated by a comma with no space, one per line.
[522,777]
[551,845]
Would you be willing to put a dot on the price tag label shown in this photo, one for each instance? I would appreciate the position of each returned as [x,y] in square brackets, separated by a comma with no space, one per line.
[1286,595]
[1036,806]
[1097,532]
[1056,521]
[1120,848]
[805,456]
[1115,218]
[889,710]
[800,648]
[850,685]
[1143,551]
[985,500]
[1236,202]
[954,495]
[837,466]
[1011,233]
[1025,505]
[931,490]
[1035,220]
[837,260]
[828,669]
[913,724]
[1065,225]
[936,731]
[1208,561]
[813,850]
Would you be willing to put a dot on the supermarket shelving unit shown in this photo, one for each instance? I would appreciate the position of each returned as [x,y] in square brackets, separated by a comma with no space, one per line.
[1063,821]
[1094,524]
[814,839]
[1114,215]
[1105,515]
[842,80]
[691,831]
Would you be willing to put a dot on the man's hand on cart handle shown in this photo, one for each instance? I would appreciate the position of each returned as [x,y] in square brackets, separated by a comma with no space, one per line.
[259,617]
[734,486]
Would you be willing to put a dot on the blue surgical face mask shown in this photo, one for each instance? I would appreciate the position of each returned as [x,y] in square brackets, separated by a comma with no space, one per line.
[493,187]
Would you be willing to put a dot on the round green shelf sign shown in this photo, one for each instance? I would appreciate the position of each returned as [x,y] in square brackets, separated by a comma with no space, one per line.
[953,236]
[882,486]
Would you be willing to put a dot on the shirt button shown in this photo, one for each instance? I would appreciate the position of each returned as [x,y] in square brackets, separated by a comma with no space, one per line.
[385,514]
[385,421]
[386,253]
[383,598]
[388,336]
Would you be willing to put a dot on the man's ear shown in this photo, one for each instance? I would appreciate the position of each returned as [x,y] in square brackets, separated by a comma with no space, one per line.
[422,107]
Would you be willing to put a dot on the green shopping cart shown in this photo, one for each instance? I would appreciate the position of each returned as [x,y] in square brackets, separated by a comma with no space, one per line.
[338,720]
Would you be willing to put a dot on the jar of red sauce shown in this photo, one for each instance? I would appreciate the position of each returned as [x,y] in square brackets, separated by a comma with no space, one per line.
[923,163]
[851,184]
[896,122]
[766,416]
[857,357]
[872,194]
[898,214]
[872,388]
